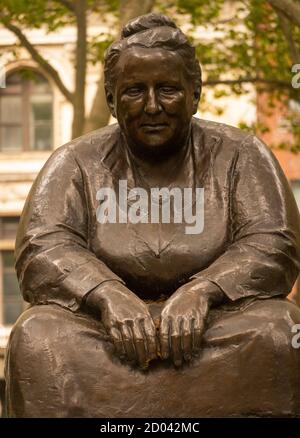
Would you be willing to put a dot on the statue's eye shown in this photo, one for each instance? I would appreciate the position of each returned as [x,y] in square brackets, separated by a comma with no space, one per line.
[133,91]
[167,90]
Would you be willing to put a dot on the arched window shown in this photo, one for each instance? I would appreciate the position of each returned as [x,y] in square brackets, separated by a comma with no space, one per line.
[11,302]
[26,112]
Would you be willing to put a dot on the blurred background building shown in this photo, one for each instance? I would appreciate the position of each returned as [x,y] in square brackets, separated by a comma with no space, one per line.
[36,117]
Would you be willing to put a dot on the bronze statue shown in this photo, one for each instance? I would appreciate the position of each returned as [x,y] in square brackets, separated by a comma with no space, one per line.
[136,317]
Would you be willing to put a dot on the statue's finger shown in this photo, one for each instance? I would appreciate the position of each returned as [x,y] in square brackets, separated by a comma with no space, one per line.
[151,339]
[176,351]
[186,339]
[140,347]
[128,342]
[116,339]
[197,333]
[164,338]
[175,342]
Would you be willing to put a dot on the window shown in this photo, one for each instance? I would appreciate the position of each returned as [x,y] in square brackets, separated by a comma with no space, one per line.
[26,113]
[296,190]
[8,228]
[11,301]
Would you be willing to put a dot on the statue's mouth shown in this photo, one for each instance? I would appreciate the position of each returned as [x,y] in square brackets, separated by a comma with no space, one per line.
[154,126]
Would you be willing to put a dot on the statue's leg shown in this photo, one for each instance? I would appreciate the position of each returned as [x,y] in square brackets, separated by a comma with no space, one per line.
[60,364]
[248,364]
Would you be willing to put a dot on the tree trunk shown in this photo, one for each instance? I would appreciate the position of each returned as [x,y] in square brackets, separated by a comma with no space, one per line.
[289,8]
[287,30]
[133,8]
[80,68]
[99,115]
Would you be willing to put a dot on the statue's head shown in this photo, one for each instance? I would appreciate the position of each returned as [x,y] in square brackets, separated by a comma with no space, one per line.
[153,83]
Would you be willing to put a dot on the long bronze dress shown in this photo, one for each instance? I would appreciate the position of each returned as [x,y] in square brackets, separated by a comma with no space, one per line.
[60,361]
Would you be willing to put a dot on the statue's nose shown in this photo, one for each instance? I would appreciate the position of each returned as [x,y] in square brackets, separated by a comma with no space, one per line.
[152,105]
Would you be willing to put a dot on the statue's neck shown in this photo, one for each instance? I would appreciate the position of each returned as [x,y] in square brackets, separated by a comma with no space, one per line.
[160,171]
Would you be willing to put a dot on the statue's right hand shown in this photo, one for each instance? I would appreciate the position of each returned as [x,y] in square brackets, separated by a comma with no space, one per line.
[128,322]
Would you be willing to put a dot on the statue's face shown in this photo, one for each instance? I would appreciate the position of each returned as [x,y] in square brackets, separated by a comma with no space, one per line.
[154,99]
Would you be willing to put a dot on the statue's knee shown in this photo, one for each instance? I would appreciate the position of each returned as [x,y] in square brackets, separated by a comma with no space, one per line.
[33,327]
[278,320]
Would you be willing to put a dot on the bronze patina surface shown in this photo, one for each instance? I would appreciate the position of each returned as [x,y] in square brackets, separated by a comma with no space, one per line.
[145,319]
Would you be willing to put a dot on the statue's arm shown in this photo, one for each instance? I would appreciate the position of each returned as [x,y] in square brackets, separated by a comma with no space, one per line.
[263,256]
[53,261]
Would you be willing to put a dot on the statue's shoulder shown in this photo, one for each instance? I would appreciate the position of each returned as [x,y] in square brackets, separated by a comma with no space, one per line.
[97,142]
[229,136]
[231,143]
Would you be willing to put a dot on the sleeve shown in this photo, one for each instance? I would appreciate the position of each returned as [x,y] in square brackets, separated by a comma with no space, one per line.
[263,256]
[53,261]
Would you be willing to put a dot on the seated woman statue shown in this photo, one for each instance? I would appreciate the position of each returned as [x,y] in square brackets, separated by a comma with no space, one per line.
[156,254]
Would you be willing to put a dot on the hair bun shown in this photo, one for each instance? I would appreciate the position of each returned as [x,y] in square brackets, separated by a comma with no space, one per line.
[144,22]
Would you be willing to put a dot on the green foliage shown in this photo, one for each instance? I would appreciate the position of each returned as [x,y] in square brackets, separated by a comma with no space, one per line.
[49,14]
[97,46]
[247,41]
[242,41]
[201,11]
[36,14]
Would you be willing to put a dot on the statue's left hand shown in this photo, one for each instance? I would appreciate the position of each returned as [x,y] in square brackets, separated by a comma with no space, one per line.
[183,320]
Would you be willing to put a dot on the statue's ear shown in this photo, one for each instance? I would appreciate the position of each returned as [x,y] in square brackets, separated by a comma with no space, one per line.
[110,102]
[196,98]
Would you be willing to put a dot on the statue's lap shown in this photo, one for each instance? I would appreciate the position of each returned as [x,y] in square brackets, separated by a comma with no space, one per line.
[64,365]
